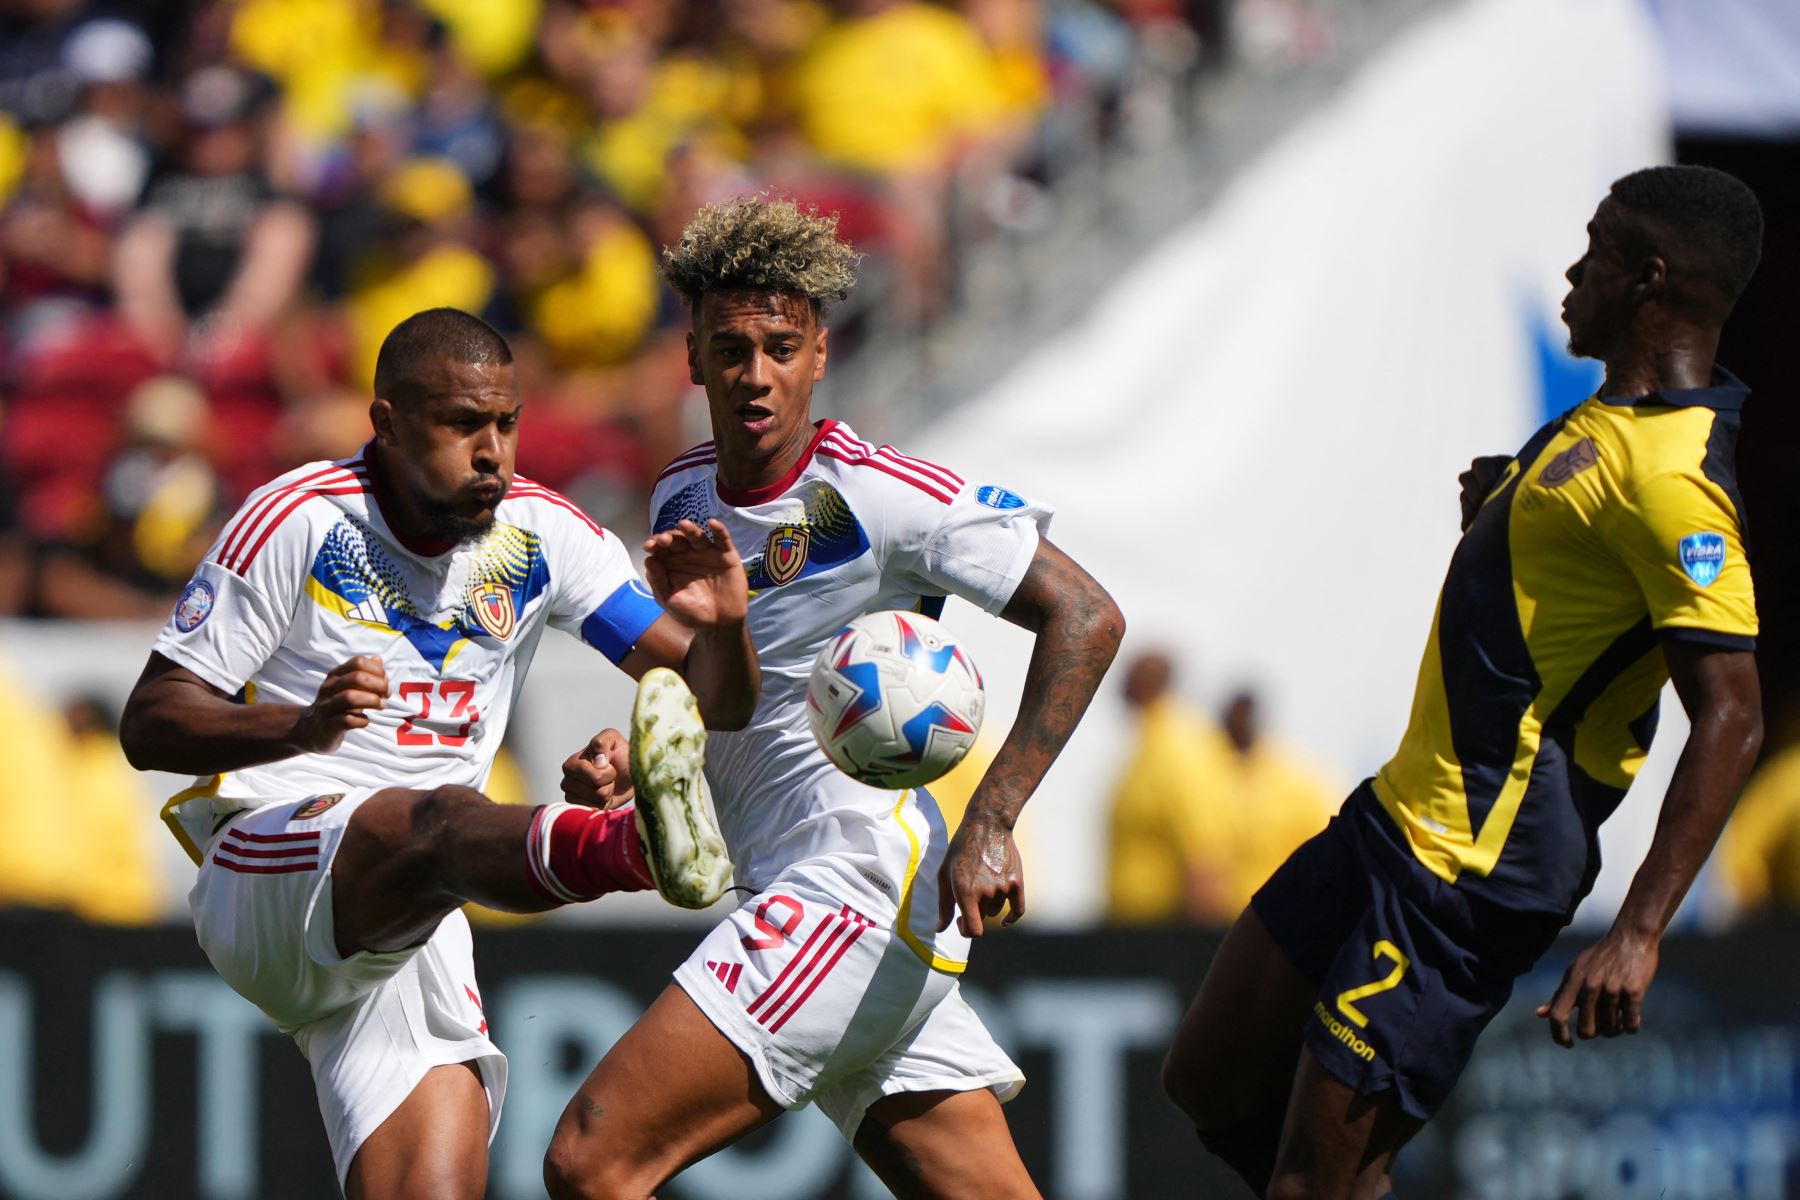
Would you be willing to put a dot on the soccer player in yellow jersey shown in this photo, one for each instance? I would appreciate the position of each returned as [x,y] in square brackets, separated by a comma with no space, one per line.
[1606,557]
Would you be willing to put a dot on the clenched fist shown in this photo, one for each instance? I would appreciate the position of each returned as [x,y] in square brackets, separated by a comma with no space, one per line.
[350,690]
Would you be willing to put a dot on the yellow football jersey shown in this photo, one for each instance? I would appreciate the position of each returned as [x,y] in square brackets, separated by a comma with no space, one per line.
[1618,525]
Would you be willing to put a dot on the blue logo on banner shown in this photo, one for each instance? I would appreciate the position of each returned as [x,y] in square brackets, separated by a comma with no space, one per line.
[1703,556]
[999,497]
[195,605]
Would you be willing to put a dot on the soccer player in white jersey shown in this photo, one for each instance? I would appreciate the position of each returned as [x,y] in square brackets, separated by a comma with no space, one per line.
[341,669]
[836,981]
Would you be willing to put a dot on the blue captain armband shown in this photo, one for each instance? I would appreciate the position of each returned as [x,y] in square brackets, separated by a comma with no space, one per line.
[615,627]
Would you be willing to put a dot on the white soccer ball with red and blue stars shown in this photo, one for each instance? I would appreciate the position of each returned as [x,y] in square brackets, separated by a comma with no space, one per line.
[894,701]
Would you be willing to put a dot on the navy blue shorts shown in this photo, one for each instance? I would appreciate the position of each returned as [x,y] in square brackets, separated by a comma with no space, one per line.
[1409,968]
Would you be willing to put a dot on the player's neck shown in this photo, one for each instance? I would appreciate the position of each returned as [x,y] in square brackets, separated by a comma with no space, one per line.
[1680,363]
[405,517]
[738,472]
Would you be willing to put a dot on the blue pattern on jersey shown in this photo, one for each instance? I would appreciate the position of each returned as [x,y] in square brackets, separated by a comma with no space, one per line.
[352,569]
[691,503]
[834,537]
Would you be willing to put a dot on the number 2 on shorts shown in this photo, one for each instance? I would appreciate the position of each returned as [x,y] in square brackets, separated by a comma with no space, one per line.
[1346,1001]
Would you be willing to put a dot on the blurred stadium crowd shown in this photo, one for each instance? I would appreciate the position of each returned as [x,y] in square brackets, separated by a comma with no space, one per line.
[211,213]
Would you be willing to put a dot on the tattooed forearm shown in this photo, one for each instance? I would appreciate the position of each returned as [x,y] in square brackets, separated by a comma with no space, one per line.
[1078,632]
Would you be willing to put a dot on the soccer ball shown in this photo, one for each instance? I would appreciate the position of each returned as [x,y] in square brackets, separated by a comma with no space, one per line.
[893,700]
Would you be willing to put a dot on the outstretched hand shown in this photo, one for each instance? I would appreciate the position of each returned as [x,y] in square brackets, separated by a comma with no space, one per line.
[980,876]
[1603,989]
[697,576]
[599,774]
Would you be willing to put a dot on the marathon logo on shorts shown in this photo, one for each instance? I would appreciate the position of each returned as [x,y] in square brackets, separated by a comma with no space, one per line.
[1343,1033]
[786,552]
[493,605]
[195,605]
[315,806]
[1703,556]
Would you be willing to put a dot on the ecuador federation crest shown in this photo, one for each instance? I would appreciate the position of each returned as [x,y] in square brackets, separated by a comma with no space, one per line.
[786,552]
[493,605]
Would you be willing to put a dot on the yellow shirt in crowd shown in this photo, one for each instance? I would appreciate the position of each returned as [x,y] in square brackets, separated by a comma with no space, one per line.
[1159,814]
[1759,854]
[451,275]
[1268,802]
[892,92]
[75,823]
[1198,827]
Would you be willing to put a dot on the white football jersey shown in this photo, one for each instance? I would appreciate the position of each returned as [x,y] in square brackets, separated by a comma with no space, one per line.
[309,573]
[852,529]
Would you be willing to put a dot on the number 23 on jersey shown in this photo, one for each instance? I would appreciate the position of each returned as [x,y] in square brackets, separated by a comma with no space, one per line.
[443,705]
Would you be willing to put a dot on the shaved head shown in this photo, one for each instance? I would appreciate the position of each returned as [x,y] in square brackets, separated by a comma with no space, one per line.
[431,337]
[1705,224]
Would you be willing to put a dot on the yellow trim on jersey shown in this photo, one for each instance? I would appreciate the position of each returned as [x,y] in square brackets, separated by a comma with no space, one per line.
[197,792]
[1544,639]
[331,602]
[903,923]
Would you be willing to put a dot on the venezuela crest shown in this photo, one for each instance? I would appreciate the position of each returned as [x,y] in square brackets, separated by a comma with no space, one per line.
[493,605]
[786,552]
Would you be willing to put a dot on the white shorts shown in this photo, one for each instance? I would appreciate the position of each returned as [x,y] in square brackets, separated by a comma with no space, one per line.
[809,981]
[371,1025]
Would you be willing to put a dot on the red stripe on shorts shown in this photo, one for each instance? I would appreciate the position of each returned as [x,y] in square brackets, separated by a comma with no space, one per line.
[274,837]
[265,868]
[861,923]
[272,852]
[791,964]
[842,919]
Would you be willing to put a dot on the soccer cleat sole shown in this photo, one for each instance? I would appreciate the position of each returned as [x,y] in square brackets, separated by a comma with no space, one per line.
[675,816]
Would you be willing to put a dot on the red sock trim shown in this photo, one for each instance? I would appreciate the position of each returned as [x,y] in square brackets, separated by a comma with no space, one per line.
[536,873]
[590,852]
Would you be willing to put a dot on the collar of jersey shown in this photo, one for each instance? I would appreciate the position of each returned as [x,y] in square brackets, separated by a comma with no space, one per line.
[1725,392]
[761,495]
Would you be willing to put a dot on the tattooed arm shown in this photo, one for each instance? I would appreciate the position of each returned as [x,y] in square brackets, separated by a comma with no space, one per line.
[1078,628]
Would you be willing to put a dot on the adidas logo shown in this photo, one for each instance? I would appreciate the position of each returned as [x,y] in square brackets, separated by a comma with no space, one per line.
[727,973]
[370,610]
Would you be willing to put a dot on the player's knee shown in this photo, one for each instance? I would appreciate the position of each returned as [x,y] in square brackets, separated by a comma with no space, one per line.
[577,1166]
[1300,1185]
[436,812]
[436,818]
[1200,1099]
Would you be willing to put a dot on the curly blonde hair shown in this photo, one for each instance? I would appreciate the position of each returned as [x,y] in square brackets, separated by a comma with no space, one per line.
[754,244]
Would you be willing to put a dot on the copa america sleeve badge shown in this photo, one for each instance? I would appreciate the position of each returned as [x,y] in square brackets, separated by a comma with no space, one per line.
[195,605]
